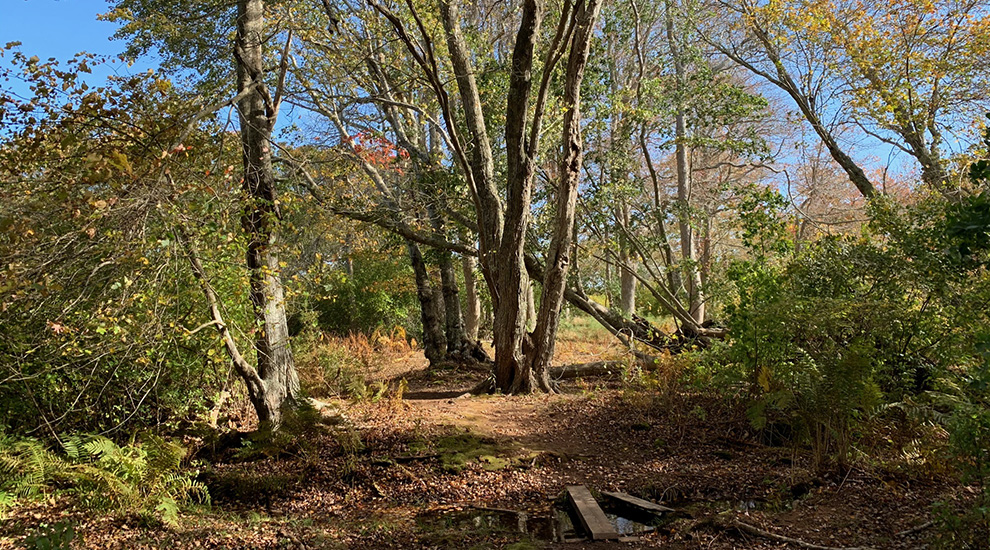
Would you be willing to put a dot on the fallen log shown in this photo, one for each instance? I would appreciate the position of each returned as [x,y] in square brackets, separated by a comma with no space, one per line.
[602,368]
[581,370]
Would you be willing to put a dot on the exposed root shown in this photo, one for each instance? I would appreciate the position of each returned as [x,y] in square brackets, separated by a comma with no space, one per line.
[756,531]
[487,385]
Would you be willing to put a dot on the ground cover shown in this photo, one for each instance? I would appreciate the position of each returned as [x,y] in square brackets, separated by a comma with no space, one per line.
[436,468]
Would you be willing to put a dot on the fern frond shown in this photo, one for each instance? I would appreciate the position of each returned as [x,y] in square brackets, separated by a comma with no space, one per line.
[168,511]
[144,479]
[163,455]
[7,501]
[100,447]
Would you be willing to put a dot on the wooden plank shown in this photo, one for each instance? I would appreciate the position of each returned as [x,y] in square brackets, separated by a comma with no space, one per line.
[638,503]
[590,514]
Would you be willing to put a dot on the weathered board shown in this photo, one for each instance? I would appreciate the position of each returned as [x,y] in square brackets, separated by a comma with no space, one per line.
[638,503]
[590,514]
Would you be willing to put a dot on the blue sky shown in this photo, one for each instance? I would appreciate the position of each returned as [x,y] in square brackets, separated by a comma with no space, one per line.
[61,29]
[57,28]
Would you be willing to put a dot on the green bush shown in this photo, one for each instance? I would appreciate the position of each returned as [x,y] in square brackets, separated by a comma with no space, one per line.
[969,443]
[379,295]
[824,337]
[100,309]
[808,361]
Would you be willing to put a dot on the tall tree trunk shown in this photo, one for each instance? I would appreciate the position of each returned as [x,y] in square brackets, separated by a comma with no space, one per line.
[627,279]
[558,256]
[453,319]
[511,373]
[660,216]
[472,301]
[502,233]
[434,342]
[349,272]
[257,113]
[619,164]
[689,254]
[481,166]
[706,250]
[530,304]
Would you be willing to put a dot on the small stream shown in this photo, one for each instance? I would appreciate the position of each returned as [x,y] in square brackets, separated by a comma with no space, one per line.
[559,524]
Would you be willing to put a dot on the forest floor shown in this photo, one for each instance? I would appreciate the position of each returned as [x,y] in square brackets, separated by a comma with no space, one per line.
[437,469]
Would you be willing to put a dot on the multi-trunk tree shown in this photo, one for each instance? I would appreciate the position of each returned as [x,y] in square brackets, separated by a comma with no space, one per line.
[501,222]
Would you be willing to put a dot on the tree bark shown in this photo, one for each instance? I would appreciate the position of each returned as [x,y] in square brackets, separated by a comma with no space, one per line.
[689,256]
[558,256]
[434,341]
[472,301]
[502,232]
[530,304]
[481,168]
[627,279]
[257,112]
[453,319]
[511,373]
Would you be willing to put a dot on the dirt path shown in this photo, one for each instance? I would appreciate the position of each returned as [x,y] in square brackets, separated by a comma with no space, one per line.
[689,451]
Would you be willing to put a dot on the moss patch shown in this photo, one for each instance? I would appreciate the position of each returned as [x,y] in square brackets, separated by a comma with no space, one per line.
[458,449]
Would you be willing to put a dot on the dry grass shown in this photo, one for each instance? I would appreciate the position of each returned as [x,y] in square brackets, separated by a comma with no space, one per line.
[338,366]
[582,340]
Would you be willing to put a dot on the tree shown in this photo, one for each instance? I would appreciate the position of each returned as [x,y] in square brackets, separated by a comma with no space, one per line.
[502,225]
[758,38]
[103,321]
[698,125]
[276,385]
[358,82]
[912,70]
[273,386]
[899,71]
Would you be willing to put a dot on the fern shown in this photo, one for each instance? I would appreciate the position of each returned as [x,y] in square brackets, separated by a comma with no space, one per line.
[26,468]
[7,501]
[168,511]
[145,479]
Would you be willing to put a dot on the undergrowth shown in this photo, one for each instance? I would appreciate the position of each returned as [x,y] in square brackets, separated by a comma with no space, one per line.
[340,366]
[145,478]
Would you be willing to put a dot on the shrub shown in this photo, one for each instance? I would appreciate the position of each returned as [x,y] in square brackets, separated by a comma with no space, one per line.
[807,360]
[379,294]
[339,366]
[824,337]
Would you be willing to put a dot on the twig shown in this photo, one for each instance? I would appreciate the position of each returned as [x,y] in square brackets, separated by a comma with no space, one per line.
[916,529]
[753,530]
